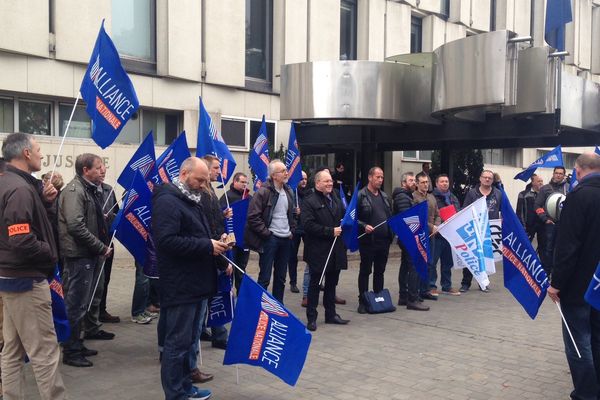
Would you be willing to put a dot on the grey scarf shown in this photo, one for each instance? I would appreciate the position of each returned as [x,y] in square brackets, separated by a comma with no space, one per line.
[195,197]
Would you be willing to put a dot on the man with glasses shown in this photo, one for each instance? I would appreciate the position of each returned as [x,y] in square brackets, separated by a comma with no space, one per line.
[493,198]
[269,227]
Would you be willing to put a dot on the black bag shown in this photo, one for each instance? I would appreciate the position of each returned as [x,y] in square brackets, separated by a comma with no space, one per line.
[378,302]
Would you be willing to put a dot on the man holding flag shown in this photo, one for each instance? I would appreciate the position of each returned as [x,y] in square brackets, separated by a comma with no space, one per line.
[321,216]
[187,258]
[576,256]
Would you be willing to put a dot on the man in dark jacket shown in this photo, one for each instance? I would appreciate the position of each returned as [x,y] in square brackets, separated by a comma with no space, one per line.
[373,207]
[558,184]
[270,226]
[84,243]
[493,198]
[186,256]
[110,208]
[238,190]
[526,209]
[321,216]
[576,256]
[441,248]
[408,278]
[298,234]
[28,256]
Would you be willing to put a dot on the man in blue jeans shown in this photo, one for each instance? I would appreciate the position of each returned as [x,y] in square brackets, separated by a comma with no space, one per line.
[575,259]
[269,227]
[187,262]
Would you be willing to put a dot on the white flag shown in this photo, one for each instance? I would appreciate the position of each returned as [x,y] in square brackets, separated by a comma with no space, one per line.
[481,211]
[463,234]
[496,231]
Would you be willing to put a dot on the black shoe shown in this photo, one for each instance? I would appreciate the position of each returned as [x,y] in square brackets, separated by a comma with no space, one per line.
[402,301]
[109,319]
[100,335]
[362,309]
[428,296]
[294,288]
[417,306]
[88,352]
[220,344]
[337,320]
[311,326]
[463,288]
[77,361]
[206,337]
[486,290]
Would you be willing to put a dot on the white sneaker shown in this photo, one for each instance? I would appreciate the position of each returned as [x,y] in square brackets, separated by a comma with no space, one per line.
[141,319]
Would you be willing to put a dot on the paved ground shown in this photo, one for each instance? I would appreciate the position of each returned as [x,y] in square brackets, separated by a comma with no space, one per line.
[476,346]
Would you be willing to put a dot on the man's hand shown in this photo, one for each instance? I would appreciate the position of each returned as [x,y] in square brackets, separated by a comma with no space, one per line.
[369,229]
[553,294]
[49,193]
[229,270]
[434,230]
[108,252]
[297,210]
[549,221]
[228,213]
[337,231]
[219,247]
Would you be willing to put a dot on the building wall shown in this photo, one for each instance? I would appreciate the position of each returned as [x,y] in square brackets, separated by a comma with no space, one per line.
[200,51]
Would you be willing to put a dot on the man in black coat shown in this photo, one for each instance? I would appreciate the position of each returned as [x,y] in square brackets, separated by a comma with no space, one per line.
[187,262]
[576,256]
[321,215]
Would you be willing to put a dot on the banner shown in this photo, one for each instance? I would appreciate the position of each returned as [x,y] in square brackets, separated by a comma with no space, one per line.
[171,159]
[210,141]
[496,233]
[238,221]
[524,275]
[292,160]
[343,196]
[592,295]
[142,161]
[483,227]
[350,223]
[258,159]
[59,310]
[413,231]
[462,233]
[108,92]
[266,334]
[220,307]
[558,14]
[551,159]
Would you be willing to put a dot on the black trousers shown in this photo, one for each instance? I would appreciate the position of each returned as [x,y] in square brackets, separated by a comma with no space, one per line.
[373,259]
[293,263]
[408,278]
[332,276]
[107,270]
[240,257]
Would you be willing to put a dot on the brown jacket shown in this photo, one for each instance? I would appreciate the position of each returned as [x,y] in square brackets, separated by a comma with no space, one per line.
[433,216]
[27,245]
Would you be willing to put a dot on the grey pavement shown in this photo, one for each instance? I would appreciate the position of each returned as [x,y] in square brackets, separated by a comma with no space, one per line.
[474,346]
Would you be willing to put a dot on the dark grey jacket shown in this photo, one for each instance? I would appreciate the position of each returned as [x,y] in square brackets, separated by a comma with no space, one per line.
[78,225]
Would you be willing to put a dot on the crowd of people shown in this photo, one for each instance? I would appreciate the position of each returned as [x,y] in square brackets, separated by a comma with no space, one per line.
[45,223]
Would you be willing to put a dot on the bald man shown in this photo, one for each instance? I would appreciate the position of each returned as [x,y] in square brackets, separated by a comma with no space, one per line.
[187,261]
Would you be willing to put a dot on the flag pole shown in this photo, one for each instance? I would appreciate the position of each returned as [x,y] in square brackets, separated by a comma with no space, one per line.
[567,326]
[297,201]
[100,274]
[327,261]
[375,227]
[112,190]
[62,142]
[232,263]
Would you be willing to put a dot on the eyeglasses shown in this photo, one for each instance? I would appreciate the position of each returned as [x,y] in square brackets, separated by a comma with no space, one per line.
[283,171]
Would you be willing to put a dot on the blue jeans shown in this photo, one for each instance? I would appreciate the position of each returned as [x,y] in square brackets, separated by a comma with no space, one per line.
[441,251]
[197,331]
[141,291]
[274,259]
[584,322]
[306,281]
[180,322]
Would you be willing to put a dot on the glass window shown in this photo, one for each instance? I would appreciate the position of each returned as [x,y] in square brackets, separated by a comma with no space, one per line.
[134,28]
[165,126]
[569,160]
[348,30]
[255,127]
[34,117]
[80,127]
[500,156]
[131,131]
[416,35]
[445,8]
[7,116]
[493,15]
[409,154]
[234,132]
[425,155]
[259,39]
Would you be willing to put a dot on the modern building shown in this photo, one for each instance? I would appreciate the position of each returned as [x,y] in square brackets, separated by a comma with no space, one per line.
[231,53]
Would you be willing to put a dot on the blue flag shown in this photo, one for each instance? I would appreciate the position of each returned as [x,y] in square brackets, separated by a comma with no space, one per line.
[258,159]
[343,196]
[142,161]
[558,14]
[551,159]
[292,160]
[220,307]
[170,160]
[133,222]
[350,223]
[592,295]
[107,91]
[524,275]
[210,141]
[413,231]
[59,311]
[266,334]
[238,221]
